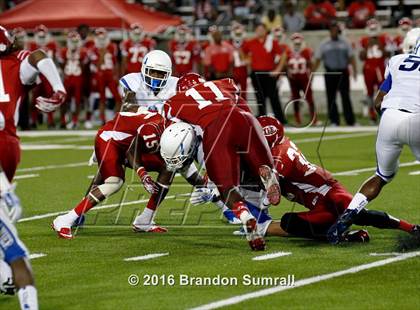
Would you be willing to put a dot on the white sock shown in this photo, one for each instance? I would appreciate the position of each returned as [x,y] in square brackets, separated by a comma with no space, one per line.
[4,183]
[71,216]
[47,67]
[146,217]
[28,298]
[221,205]
[358,202]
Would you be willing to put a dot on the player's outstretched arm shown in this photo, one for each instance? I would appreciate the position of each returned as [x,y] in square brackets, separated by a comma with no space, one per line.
[39,62]
[378,100]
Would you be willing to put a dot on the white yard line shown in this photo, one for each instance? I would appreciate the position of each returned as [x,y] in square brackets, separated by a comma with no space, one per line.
[40,168]
[145,257]
[43,147]
[271,256]
[414,172]
[36,255]
[25,176]
[273,290]
[386,254]
[336,137]
[357,171]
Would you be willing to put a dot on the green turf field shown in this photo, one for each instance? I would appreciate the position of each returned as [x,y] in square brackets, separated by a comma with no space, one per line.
[89,272]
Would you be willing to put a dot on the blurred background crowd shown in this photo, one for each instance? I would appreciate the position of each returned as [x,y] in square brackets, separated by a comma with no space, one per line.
[270,49]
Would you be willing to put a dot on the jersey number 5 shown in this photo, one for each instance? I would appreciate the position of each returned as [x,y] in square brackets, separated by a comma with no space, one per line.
[202,103]
[413,60]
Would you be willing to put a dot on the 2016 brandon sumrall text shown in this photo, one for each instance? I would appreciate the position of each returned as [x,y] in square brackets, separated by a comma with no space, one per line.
[218,280]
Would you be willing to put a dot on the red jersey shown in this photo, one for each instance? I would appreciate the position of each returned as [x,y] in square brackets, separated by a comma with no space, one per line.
[237,50]
[184,55]
[300,180]
[375,51]
[73,61]
[107,62]
[12,90]
[219,56]
[361,12]
[320,13]
[134,53]
[299,63]
[50,48]
[263,54]
[127,125]
[201,104]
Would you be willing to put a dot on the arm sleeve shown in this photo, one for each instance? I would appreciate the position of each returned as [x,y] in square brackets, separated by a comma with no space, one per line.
[27,72]
[386,84]
[189,171]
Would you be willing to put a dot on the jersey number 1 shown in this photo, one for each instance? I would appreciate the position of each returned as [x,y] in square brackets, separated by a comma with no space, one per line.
[3,96]
[202,103]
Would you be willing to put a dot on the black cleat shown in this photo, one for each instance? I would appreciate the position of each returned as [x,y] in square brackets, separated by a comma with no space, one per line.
[356,236]
[343,223]
[416,231]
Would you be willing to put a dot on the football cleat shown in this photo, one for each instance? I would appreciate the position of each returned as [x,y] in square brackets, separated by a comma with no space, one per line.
[336,231]
[151,228]
[62,228]
[416,231]
[232,219]
[271,184]
[255,241]
[356,236]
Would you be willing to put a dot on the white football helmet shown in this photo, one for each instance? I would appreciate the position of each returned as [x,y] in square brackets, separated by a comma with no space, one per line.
[156,69]
[178,145]
[411,40]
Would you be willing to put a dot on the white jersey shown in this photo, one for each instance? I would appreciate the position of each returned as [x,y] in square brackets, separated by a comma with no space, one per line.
[402,83]
[144,95]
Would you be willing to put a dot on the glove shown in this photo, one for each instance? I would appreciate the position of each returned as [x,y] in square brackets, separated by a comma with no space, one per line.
[7,287]
[12,202]
[52,103]
[202,195]
[149,185]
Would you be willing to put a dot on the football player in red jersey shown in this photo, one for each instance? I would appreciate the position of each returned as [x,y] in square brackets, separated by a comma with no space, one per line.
[185,51]
[374,55]
[42,40]
[103,65]
[228,128]
[299,62]
[315,189]
[135,48]
[404,25]
[240,68]
[19,68]
[73,59]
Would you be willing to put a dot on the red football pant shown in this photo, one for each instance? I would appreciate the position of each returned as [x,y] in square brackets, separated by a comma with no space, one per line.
[302,84]
[327,211]
[235,136]
[240,76]
[9,155]
[74,88]
[373,78]
[110,158]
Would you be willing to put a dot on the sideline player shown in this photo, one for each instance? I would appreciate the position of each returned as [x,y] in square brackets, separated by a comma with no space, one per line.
[399,102]
[22,69]
[228,128]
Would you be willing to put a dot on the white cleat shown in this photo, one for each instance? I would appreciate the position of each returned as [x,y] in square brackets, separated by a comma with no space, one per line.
[88,125]
[151,228]
[62,227]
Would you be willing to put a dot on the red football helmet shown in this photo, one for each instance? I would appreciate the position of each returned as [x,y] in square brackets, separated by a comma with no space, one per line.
[273,129]
[6,40]
[101,37]
[237,31]
[136,32]
[183,34]
[189,80]
[405,24]
[74,40]
[297,40]
[41,35]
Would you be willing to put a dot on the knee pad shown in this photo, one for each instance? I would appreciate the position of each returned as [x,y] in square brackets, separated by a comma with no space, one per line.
[111,186]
